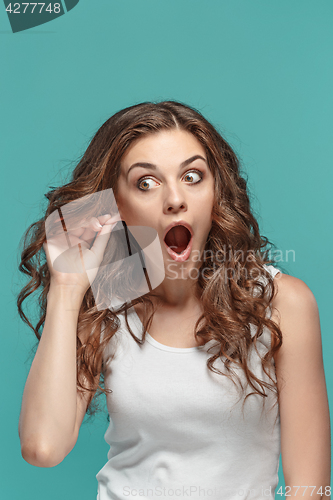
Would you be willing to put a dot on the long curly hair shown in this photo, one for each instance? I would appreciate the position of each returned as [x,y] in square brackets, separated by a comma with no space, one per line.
[229,281]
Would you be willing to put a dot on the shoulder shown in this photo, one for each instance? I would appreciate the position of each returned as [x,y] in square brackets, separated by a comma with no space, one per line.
[295,310]
[292,294]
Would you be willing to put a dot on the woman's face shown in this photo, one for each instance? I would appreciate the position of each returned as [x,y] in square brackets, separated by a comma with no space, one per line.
[165,179]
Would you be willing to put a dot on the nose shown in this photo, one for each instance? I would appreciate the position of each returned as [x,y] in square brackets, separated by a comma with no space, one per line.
[175,201]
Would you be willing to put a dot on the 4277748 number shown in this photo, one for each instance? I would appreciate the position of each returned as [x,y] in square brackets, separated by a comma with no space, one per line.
[30,7]
[290,491]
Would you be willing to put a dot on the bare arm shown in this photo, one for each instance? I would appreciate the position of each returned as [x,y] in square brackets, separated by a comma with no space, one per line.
[52,408]
[304,410]
[48,420]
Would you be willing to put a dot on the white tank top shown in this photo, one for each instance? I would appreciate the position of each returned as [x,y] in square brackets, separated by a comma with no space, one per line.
[175,429]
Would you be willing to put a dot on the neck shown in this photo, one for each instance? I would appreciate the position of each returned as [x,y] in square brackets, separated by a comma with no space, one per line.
[176,293]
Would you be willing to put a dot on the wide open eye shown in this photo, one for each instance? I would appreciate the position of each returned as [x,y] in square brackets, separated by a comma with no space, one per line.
[145,184]
[193,177]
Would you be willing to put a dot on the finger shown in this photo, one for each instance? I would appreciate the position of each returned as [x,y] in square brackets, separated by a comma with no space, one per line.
[91,228]
[94,224]
[113,219]
[103,218]
[108,218]
[77,232]
[101,240]
[97,223]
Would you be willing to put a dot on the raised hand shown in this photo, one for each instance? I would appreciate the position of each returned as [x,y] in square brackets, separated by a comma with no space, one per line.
[70,257]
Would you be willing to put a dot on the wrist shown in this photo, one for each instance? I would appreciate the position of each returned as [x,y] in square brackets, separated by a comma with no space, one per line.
[71,294]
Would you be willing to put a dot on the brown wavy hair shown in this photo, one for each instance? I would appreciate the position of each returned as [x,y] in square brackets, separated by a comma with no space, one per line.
[230,286]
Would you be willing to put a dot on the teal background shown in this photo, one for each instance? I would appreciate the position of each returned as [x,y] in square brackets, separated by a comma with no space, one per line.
[259,70]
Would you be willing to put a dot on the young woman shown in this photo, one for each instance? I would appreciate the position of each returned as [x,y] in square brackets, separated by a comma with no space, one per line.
[208,375]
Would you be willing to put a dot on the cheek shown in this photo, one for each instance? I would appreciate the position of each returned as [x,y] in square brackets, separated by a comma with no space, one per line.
[125,204]
[125,209]
[205,217]
[134,213]
[203,205]
[207,194]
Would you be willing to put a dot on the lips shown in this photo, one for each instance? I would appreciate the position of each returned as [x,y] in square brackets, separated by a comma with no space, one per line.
[178,240]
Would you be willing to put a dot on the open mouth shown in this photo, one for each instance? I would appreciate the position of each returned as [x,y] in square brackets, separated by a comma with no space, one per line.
[178,239]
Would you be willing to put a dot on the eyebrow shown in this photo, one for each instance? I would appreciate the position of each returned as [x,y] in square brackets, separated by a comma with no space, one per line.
[152,166]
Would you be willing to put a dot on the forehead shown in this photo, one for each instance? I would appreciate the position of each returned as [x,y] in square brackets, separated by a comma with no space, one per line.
[163,148]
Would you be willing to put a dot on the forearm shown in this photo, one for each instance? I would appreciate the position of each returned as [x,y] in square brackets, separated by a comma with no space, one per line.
[48,411]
